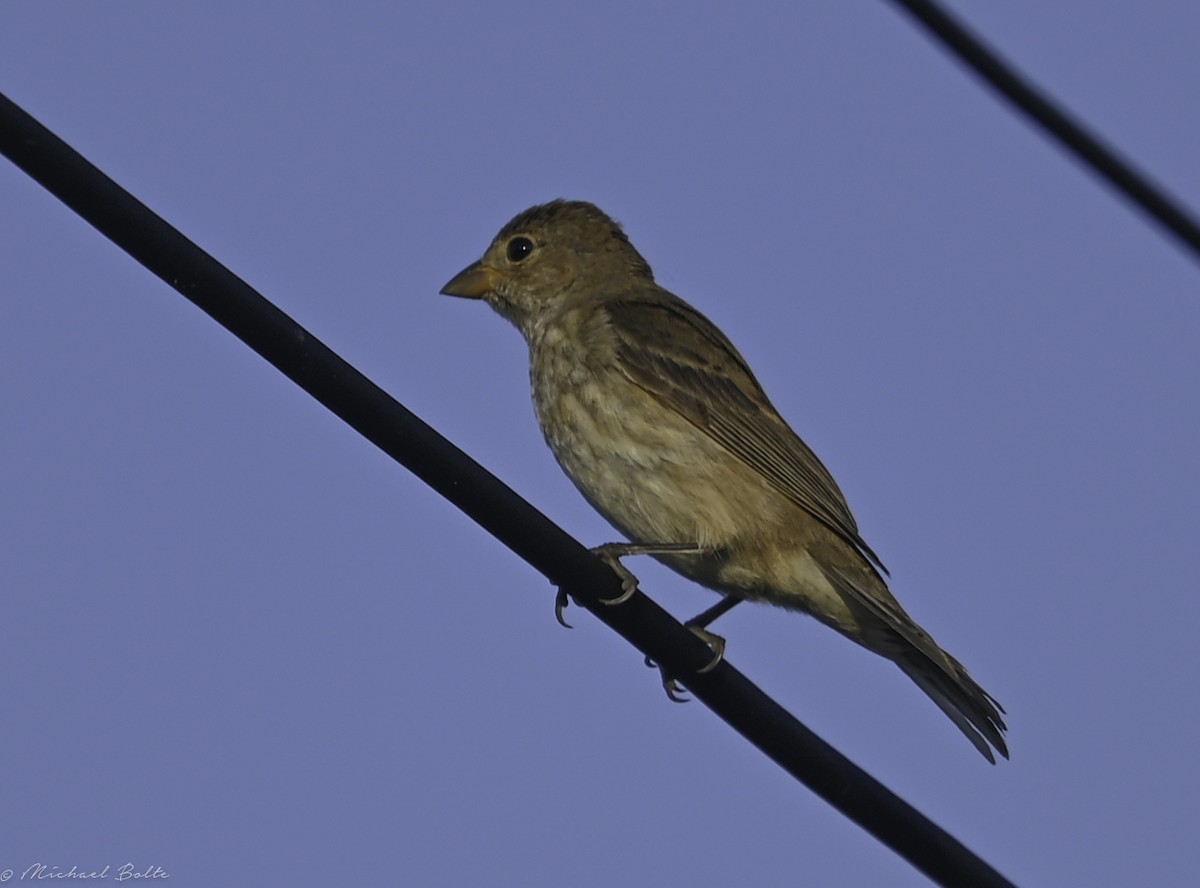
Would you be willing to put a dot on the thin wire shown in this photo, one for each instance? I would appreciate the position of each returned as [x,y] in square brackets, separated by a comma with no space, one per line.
[368,409]
[1005,79]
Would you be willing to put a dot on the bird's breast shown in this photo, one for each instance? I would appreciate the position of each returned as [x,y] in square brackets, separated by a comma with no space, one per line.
[647,469]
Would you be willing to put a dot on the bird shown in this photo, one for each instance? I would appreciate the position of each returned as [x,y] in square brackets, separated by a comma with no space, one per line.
[661,425]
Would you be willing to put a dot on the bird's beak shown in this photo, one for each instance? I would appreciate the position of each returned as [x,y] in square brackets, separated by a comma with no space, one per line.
[473,282]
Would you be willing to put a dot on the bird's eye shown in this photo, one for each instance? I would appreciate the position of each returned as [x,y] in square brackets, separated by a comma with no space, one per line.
[519,248]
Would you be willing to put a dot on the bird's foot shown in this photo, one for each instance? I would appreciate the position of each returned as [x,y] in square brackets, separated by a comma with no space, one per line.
[612,553]
[670,683]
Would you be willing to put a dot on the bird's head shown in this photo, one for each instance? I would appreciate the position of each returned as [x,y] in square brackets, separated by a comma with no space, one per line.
[549,256]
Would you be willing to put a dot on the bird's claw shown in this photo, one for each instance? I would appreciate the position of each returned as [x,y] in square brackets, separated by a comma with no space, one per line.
[715,643]
[561,602]
[670,684]
[628,587]
[610,554]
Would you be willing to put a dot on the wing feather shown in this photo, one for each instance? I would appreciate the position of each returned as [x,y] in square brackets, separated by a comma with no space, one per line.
[674,353]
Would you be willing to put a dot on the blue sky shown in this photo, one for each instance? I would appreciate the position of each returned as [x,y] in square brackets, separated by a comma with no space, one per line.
[241,644]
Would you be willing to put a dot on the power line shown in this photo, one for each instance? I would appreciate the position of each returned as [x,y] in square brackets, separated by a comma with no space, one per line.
[1006,80]
[563,560]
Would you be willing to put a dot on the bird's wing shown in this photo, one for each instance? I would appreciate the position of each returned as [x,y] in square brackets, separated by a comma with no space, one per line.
[674,353]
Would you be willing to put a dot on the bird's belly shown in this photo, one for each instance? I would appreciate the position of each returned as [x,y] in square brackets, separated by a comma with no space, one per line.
[659,479]
[649,471]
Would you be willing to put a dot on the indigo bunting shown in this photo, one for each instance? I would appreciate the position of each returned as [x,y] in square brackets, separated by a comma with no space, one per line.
[661,425]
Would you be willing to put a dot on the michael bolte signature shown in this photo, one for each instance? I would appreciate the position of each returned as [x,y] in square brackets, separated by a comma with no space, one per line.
[126,873]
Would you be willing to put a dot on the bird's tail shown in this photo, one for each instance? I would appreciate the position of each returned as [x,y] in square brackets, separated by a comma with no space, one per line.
[968,705]
[885,628]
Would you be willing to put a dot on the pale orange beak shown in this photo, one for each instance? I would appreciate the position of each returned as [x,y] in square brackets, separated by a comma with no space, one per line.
[473,282]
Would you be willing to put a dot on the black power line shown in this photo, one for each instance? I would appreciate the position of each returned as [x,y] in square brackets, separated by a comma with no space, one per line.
[1119,172]
[399,433]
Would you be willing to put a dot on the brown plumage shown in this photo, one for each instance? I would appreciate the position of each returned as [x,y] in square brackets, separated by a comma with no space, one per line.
[661,425]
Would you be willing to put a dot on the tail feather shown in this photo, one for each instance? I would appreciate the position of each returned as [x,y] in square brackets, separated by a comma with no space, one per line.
[968,705]
[884,627]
